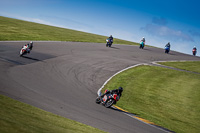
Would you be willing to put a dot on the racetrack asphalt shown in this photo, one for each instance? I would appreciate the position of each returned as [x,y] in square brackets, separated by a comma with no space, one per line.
[64,77]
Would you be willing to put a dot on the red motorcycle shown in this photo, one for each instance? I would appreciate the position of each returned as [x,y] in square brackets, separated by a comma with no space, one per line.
[108,99]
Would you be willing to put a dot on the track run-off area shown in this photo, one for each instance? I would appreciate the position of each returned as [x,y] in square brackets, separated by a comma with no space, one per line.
[64,77]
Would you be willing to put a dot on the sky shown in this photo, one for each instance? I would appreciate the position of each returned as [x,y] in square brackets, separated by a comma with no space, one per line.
[159,21]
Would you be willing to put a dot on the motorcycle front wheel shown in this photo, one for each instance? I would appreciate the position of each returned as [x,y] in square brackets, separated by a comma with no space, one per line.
[109,103]
[98,100]
[21,53]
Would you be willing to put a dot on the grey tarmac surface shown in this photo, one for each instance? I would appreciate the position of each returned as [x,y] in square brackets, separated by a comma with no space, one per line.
[64,77]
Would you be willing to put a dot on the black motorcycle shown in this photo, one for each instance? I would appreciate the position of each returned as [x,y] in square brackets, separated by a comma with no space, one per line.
[108,99]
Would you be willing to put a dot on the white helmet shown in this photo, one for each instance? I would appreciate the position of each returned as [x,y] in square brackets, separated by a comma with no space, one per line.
[31,42]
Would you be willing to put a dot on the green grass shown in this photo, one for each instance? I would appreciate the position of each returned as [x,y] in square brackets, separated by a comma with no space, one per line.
[166,97]
[14,29]
[17,117]
[193,66]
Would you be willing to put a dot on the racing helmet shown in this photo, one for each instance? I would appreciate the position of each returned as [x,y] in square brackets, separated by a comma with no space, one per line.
[120,89]
[31,42]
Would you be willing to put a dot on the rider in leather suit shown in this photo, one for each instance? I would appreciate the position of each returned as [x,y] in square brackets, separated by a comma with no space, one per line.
[115,91]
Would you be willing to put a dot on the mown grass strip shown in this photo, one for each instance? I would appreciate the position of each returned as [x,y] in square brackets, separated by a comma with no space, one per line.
[17,117]
[166,97]
[14,29]
[193,66]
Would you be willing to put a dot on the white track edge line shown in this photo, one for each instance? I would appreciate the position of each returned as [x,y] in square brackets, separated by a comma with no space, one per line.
[99,91]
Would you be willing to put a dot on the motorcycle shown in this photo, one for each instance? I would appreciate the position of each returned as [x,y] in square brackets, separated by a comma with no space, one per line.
[141,45]
[167,49]
[26,49]
[23,51]
[109,42]
[108,99]
[194,51]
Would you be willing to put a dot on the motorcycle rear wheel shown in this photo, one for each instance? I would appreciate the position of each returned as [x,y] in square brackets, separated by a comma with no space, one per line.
[141,46]
[109,103]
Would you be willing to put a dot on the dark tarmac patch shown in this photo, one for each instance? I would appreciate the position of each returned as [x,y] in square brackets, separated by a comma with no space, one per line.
[12,55]
[26,59]
[11,61]
[34,57]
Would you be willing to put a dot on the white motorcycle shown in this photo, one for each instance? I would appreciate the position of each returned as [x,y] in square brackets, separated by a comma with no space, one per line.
[26,49]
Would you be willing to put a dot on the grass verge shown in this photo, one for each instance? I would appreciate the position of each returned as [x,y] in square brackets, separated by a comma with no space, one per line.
[14,29]
[166,97]
[193,66]
[17,117]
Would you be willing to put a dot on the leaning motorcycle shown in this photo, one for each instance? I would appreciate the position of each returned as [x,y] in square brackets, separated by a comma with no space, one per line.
[108,99]
[194,51]
[23,51]
[141,45]
[167,49]
[109,42]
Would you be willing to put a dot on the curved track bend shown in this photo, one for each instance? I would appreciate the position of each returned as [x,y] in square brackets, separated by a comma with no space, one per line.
[64,77]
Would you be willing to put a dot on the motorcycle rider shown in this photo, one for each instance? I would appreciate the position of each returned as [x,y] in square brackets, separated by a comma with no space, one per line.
[194,49]
[168,45]
[115,91]
[28,47]
[25,46]
[143,40]
[31,45]
[111,38]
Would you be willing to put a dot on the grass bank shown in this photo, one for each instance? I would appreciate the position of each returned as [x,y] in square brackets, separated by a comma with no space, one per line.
[14,29]
[166,97]
[17,117]
[193,66]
